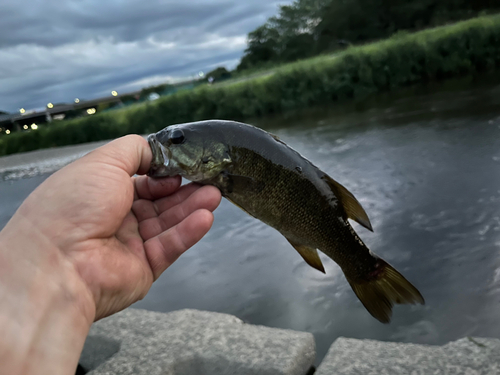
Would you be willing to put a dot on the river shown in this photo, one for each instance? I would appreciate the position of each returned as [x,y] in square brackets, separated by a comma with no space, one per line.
[424,162]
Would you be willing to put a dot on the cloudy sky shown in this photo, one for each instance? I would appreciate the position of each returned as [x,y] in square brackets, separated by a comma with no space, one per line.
[58,50]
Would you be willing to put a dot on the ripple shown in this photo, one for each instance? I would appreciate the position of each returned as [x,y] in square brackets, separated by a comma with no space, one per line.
[423,331]
[248,228]
[312,278]
[432,223]
[30,164]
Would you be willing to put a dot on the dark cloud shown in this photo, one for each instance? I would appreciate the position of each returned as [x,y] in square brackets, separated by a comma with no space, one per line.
[56,50]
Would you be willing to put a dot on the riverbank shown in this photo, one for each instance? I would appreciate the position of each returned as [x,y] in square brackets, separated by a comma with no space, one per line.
[463,48]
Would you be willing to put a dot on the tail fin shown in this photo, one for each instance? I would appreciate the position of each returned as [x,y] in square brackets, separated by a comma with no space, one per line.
[384,288]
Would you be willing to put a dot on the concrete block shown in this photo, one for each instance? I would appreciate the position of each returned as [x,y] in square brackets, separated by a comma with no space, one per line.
[193,342]
[471,356]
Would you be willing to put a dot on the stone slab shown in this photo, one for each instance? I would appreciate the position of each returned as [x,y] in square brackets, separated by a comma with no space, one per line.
[471,356]
[193,342]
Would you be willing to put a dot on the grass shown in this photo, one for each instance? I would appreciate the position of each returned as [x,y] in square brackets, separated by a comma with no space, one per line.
[463,48]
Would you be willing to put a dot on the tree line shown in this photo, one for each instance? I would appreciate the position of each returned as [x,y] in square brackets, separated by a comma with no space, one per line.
[310,27]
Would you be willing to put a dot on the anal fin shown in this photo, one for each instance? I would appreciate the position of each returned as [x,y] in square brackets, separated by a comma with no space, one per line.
[310,255]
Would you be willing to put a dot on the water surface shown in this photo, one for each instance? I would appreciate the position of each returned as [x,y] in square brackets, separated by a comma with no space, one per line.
[423,162]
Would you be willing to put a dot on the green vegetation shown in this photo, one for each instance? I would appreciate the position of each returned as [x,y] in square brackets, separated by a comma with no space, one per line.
[309,27]
[218,74]
[464,48]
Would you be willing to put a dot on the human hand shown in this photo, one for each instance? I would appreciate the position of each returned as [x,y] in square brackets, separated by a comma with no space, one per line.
[106,234]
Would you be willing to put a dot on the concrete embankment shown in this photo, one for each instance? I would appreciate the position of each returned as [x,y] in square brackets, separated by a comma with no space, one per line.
[187,342]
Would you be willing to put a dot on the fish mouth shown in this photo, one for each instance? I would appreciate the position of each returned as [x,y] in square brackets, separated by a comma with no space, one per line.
[161,158]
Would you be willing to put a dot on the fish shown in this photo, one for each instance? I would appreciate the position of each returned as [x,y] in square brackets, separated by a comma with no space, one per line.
[262,175]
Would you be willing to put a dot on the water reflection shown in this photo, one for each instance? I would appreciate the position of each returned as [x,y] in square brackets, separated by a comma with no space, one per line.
[424,163]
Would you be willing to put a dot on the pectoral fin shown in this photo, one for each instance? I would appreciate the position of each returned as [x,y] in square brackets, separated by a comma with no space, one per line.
[351,205]
[241,184]
[310,255]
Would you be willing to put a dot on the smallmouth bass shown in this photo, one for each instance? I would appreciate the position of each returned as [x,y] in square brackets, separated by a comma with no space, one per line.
[269,180]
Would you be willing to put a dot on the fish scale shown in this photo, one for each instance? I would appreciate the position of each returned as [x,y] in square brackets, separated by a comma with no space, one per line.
[269,180]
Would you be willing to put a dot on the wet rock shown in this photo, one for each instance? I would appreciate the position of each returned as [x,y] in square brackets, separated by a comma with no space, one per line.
[368,357]
[193,342]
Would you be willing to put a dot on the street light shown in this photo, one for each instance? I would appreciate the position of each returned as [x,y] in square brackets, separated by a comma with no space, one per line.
[7,131]
[22,110]
[25,127]
[114,93]
[77,100]
[34,126]
[50,105]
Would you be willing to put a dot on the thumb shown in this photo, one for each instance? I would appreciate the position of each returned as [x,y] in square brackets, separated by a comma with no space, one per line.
[130,153]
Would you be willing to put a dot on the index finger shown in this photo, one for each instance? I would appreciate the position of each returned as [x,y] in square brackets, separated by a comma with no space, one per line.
[155,188]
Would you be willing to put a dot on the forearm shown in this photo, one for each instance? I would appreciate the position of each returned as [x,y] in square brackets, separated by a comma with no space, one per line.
[44,309]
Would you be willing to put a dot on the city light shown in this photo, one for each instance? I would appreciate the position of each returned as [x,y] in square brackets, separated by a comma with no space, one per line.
[34,126]
[7,131]
[114,93]
[50,105]
[77,100]
[91,111]
[22,110]
[25,127]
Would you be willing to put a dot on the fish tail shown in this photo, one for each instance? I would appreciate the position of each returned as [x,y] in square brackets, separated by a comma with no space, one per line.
[383,288]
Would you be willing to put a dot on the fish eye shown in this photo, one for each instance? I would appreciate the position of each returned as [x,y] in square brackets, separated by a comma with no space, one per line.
[176,136]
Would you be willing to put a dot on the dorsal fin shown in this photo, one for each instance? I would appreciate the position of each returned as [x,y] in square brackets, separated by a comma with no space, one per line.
[350,204]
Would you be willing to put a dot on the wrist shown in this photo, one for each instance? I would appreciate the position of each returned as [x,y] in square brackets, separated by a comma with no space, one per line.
[46,309]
